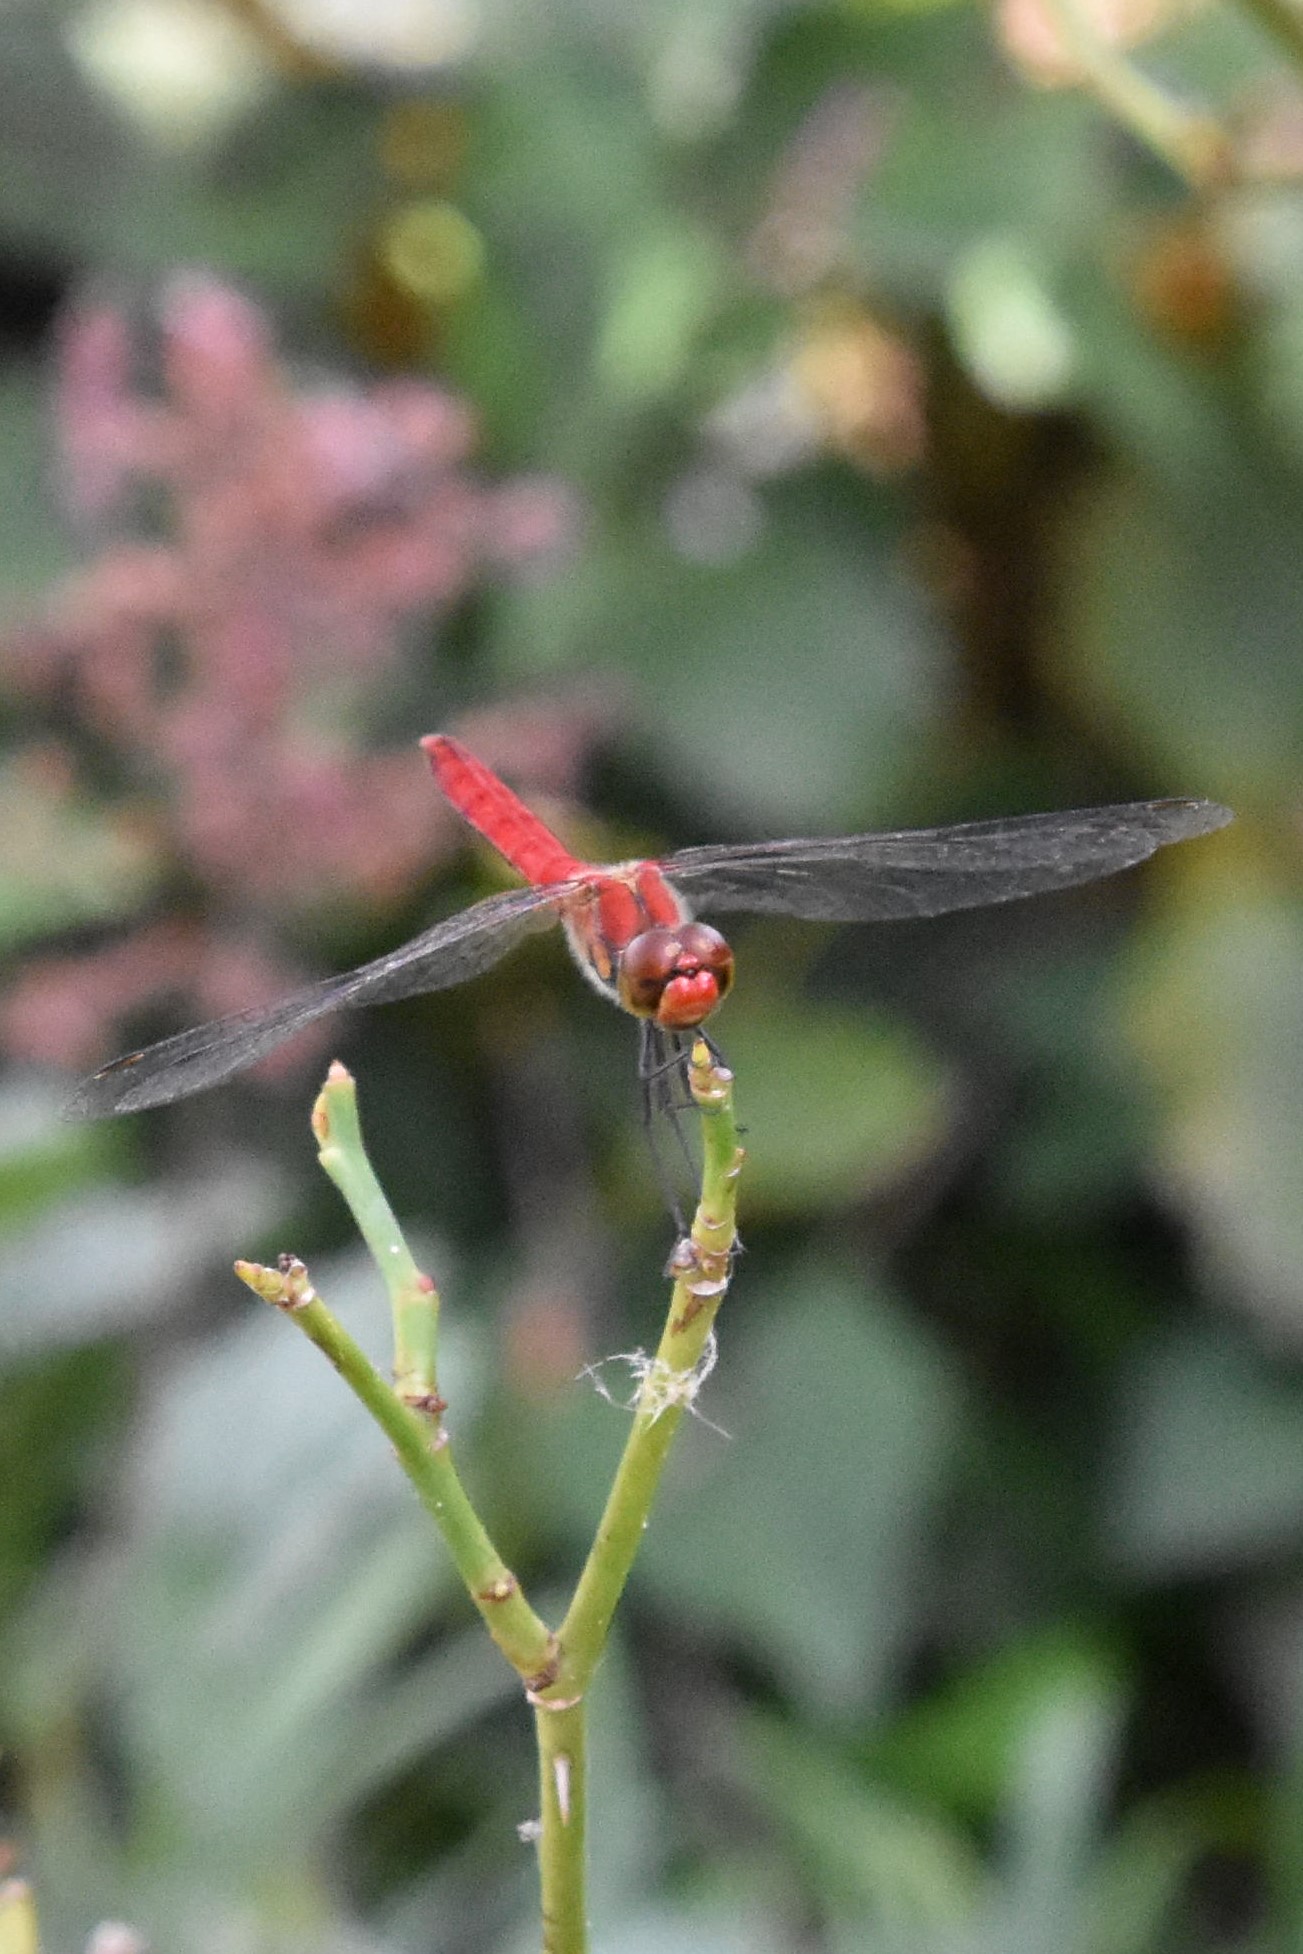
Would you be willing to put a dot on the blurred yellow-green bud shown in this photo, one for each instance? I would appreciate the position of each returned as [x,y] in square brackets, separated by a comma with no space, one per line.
[432,251]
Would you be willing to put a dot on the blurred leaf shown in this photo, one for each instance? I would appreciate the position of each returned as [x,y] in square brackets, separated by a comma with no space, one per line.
[843,1422]
[565,175]
[1280,358]
[402,1717]
[665,288]
[1172,417]
[63,861]
[1030,175]
[53,1420]
[43,1157]
[959,1746]
[1142,1873]
[1217,1016]
[627,1815]
[108,1258]
[1208,1464]
[53,184]
[1075,1147]
[1054,1811]
[1007,328]
[833,1099]
[277,1564]
[1082,1133]
[720,656]
[33,550]
[272,205]
[562,134]
[1181,623]
[913,1878]
[729,658]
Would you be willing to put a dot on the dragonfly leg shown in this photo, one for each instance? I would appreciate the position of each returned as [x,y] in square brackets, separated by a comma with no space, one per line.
[717,1057]
[662,1058]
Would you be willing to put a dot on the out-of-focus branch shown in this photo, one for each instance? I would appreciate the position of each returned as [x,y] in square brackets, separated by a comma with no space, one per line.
[1191,143]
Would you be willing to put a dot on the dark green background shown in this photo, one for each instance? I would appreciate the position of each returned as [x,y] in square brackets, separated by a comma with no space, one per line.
[983,1629]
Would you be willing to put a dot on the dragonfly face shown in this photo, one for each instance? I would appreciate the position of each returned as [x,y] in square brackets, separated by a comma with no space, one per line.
[676,976]
[634,939]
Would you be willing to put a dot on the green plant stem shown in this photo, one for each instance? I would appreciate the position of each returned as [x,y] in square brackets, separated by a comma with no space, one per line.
[701,1266]
[1194,146]
[563,1815]
[523,1638]
[556,1669]
[413,1298]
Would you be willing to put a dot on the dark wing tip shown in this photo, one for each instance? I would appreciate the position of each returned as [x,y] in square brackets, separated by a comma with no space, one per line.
[104,1092]
[1185,819]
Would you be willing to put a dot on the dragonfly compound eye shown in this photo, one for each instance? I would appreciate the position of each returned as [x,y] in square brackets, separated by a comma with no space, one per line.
[676,976]
[647,963]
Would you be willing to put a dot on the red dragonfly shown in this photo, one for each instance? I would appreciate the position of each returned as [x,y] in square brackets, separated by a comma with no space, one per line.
[630,924]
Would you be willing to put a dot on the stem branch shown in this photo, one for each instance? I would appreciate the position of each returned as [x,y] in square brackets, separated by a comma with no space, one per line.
[556,1669]
[701,1267]
[426,1458]
[413,1298]
[1193,145]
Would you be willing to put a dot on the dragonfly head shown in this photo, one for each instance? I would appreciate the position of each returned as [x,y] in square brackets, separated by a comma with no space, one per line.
[676,976]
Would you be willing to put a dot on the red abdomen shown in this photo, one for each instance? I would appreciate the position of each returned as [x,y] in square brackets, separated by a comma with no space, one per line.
[531,848]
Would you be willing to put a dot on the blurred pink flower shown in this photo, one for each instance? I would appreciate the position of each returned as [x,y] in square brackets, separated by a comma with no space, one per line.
[804,235]
[227,652]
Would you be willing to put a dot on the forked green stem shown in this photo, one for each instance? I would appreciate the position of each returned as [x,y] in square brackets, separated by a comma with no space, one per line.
[426,1458]
[556,1669]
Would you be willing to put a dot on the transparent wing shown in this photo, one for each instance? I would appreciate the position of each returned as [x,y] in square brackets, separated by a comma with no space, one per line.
[926,871]
[449,953]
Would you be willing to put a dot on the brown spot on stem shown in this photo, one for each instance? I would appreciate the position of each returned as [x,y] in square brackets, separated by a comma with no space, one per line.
[500,1590]
[298,1290]
[425,1401]
[545,1677]
[552,1702]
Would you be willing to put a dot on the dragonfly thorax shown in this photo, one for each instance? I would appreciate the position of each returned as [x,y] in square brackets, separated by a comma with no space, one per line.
[634,938]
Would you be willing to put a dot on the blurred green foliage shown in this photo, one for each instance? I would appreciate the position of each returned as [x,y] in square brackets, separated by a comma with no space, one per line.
[935,452]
